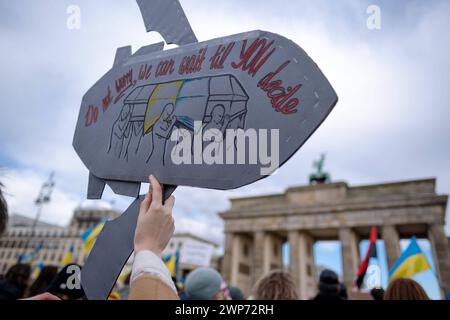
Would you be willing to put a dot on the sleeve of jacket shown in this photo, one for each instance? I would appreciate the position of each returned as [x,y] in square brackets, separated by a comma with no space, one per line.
[148,287]
[150,279]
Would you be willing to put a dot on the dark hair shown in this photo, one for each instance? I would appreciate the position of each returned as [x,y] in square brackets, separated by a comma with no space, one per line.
[19,274]
[40,285]
[3,212]
[276,285]
[343,291]
[329,282]
[236,293]
[377,294]
[405,289]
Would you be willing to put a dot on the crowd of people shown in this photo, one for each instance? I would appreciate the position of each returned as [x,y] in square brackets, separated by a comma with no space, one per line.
[150,279]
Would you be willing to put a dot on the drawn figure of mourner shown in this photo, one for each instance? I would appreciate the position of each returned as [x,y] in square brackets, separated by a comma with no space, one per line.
[161,131]
[219,120]
[120,130]
[219,123]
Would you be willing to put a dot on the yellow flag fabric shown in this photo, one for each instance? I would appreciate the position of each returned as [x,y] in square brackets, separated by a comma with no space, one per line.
[90,236]
[411,262]
[411,266]
[67,258]
[123,275]
[114,296]
[171,265]
[37,268]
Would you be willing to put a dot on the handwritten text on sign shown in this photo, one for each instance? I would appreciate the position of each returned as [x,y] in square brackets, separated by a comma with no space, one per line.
[252,57]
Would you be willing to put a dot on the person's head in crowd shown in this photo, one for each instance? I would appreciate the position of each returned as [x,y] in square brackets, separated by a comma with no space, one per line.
[343,291]
[329,282]
[236,293]
[66,285]
[377,294]
[3,212]
[202,284]
[276,285]
[329,286]
[40,285]
[405,289]
[13,286]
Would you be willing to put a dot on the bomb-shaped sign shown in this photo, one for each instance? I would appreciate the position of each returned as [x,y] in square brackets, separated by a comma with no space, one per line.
[218,114]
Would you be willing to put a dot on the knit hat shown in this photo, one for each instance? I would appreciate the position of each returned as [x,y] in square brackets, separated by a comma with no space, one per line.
[202,284]
[328,281]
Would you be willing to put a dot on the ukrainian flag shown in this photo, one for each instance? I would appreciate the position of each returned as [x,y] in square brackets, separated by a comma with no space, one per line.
[172,263]
[29,258]
[90,235]
[411,262]
[68,257]
[37,268]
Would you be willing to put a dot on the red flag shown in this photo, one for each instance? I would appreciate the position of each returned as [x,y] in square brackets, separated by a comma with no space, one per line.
[371,253]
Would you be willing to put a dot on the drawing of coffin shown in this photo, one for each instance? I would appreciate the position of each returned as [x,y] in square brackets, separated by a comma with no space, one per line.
[193,99]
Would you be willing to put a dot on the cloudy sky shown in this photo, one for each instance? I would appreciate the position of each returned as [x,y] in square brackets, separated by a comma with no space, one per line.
[391,122]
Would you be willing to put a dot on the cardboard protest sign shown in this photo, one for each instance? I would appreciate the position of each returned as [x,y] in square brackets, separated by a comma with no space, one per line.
[218,114]
[196,254]
[259,95]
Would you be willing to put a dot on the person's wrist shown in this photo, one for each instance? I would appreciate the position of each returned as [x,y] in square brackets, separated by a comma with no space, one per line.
[147,247]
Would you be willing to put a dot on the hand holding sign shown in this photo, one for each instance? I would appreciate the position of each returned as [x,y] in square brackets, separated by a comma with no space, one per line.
[155,224]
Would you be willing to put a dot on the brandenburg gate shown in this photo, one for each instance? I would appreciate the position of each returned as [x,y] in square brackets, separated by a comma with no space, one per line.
[257,227]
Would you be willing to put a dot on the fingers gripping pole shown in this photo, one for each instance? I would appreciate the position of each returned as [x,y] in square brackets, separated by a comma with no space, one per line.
[111,251]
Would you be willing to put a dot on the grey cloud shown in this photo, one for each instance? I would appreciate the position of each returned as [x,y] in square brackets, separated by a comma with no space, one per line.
[390,123]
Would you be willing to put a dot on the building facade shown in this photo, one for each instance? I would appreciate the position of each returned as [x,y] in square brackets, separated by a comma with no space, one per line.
[257,227]
[21,239]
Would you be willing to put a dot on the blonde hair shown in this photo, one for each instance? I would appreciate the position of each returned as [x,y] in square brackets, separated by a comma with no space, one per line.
[405,289]
[276,285]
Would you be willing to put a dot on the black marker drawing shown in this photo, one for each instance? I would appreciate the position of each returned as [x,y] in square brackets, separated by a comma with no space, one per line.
[162,130]
[219,102]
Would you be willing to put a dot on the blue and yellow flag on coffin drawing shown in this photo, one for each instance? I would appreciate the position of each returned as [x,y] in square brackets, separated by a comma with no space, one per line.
[90,235]
[411,262]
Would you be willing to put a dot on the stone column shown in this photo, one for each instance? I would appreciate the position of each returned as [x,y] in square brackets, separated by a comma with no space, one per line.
[294,256]
[259,255]
[227,257]
[272,258]
[391,243]
[241,262]
[350,255]
[266,253]
[236,252]
[307,288]
[441,252]
[301,263]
